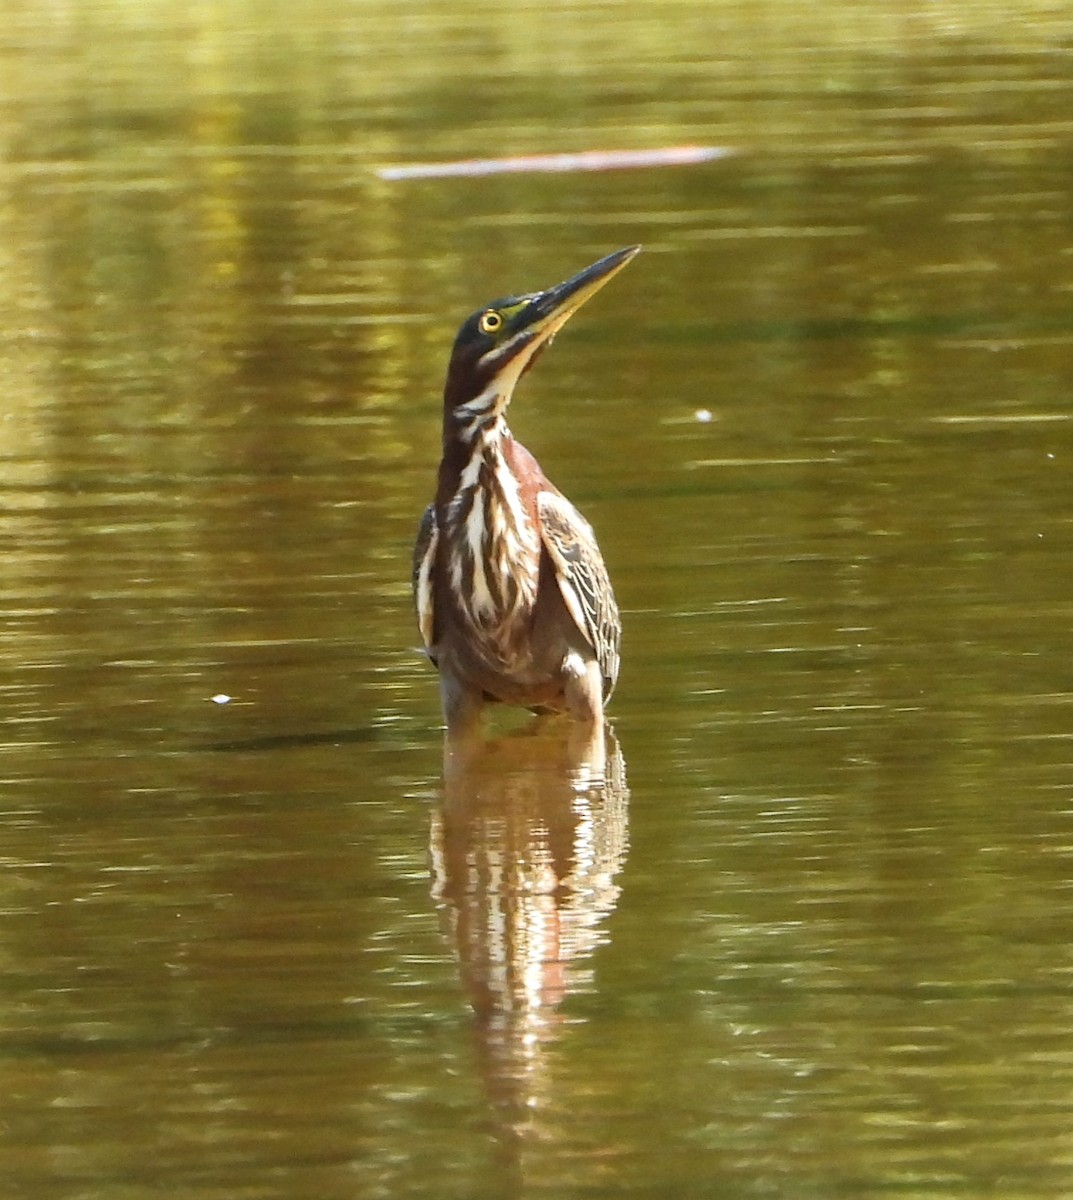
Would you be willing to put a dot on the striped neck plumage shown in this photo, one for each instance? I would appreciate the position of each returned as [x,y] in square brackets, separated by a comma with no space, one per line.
[480,421]
[493,551]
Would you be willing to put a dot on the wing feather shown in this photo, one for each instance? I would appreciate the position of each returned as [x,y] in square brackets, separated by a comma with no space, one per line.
[583,580]
[424,560]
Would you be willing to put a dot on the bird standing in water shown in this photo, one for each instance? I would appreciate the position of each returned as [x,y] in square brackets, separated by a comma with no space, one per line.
[513,598]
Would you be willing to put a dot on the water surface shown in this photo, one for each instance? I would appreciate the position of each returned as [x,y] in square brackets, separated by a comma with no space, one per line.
[812,938]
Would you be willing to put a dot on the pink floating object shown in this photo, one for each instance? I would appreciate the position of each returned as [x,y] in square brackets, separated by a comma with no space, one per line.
[586,160]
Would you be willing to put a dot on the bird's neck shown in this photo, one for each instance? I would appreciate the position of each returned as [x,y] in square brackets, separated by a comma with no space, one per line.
[471,445]
[491,541]
[479,419]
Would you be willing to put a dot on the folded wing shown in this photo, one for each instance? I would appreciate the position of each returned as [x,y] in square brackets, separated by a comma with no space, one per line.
[583,580]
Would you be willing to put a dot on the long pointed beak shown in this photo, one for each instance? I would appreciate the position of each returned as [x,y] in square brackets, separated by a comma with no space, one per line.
[558,304]
[545,313]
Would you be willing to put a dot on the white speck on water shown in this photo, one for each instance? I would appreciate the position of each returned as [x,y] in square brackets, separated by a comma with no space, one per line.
[703,415]
[221,698]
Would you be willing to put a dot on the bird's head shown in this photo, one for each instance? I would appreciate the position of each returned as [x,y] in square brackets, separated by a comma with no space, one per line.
[500,342]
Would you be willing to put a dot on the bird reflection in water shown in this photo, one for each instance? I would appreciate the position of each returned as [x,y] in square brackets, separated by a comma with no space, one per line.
[525,850]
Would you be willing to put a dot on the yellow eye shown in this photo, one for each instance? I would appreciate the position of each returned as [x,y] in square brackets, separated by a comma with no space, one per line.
[491,322]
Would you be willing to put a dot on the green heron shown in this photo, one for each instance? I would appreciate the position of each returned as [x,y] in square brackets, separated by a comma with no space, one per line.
[512,595]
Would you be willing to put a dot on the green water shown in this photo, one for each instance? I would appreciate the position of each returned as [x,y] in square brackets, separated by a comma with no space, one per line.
[813,937]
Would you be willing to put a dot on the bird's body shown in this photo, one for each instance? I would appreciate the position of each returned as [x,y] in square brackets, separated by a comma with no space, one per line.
[513,598]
